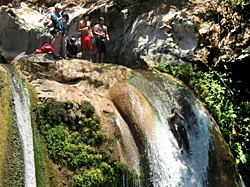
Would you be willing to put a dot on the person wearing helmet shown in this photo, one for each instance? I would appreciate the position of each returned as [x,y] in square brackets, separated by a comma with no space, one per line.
[176,119]
[60,37]
[72,48]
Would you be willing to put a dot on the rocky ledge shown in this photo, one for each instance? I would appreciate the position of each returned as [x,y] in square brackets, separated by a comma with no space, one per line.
[104,85]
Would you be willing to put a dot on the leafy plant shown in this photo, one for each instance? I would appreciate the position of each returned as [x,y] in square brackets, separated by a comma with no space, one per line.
[76,148]
[230,113]
[32,77]
[97,84]
[87,108]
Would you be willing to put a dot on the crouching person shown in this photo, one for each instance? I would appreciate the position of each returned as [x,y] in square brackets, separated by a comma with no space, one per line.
[72,48]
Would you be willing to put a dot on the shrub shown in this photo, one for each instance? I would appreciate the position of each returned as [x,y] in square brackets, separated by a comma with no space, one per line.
[97,84]
[87,108]
[77,148]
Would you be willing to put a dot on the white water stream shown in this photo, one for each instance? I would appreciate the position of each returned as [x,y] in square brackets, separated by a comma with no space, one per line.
[168,167]
[21,98]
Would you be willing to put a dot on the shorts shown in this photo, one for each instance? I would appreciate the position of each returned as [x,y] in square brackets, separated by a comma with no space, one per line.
[86,42]
[101,45]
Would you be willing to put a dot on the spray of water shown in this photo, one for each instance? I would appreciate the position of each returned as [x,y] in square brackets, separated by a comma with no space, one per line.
[168,167]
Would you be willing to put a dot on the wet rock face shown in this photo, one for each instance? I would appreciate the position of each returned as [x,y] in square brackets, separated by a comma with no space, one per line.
[222,169]
[134,109]
[121,107]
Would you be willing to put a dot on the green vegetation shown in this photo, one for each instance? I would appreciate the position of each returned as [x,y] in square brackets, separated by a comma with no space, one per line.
[97,84]
[43,165]
[13,174]
[75,145]
[32,77]
[235,3]
[226,93]
[11,158]
[225,105]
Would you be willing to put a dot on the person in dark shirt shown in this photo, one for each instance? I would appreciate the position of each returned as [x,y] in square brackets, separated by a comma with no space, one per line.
[72,48]
[176,120]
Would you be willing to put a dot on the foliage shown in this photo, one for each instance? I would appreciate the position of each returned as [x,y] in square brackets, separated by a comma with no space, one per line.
[43,165]
[231,115]
[13,174]
[235,3]
[76,148]
[87,108]
[32,77]
[52,113]
[97,84]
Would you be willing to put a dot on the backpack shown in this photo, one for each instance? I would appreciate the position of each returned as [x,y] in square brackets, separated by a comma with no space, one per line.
[38,51]
[46,48]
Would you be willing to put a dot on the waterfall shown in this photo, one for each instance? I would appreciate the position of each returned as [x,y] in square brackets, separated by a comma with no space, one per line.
[20,94]
[168,167]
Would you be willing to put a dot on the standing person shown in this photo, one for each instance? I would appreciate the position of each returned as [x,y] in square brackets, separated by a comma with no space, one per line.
[84,26]
[101,32]
[176,120]
[60,37]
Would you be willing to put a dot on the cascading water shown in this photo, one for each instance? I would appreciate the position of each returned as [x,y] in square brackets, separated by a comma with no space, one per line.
[168,167]
[20,94]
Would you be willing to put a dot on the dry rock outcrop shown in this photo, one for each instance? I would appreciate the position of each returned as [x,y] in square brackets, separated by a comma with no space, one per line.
[148,33]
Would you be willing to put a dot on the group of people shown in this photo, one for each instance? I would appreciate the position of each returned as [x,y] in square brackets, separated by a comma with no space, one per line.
[64,50]
[101,33]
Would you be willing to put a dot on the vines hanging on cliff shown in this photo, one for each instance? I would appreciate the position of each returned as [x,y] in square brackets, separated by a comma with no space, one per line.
[231,115]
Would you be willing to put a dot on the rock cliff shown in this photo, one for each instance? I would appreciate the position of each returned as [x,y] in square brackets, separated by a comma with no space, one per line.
[105,86]
[121,106]
[141,32]
[150,31]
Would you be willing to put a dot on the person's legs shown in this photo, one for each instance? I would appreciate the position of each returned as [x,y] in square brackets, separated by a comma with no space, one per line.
[83,53]
[102,56]
[57,44]
[97,49]
[185,138]
[97,57]
[89,43]
[83,46]
[102,48]
[64,46]
[90,54]
[178,137]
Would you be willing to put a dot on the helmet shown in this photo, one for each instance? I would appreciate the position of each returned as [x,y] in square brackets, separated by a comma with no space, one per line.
[72,40]
[172,109]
